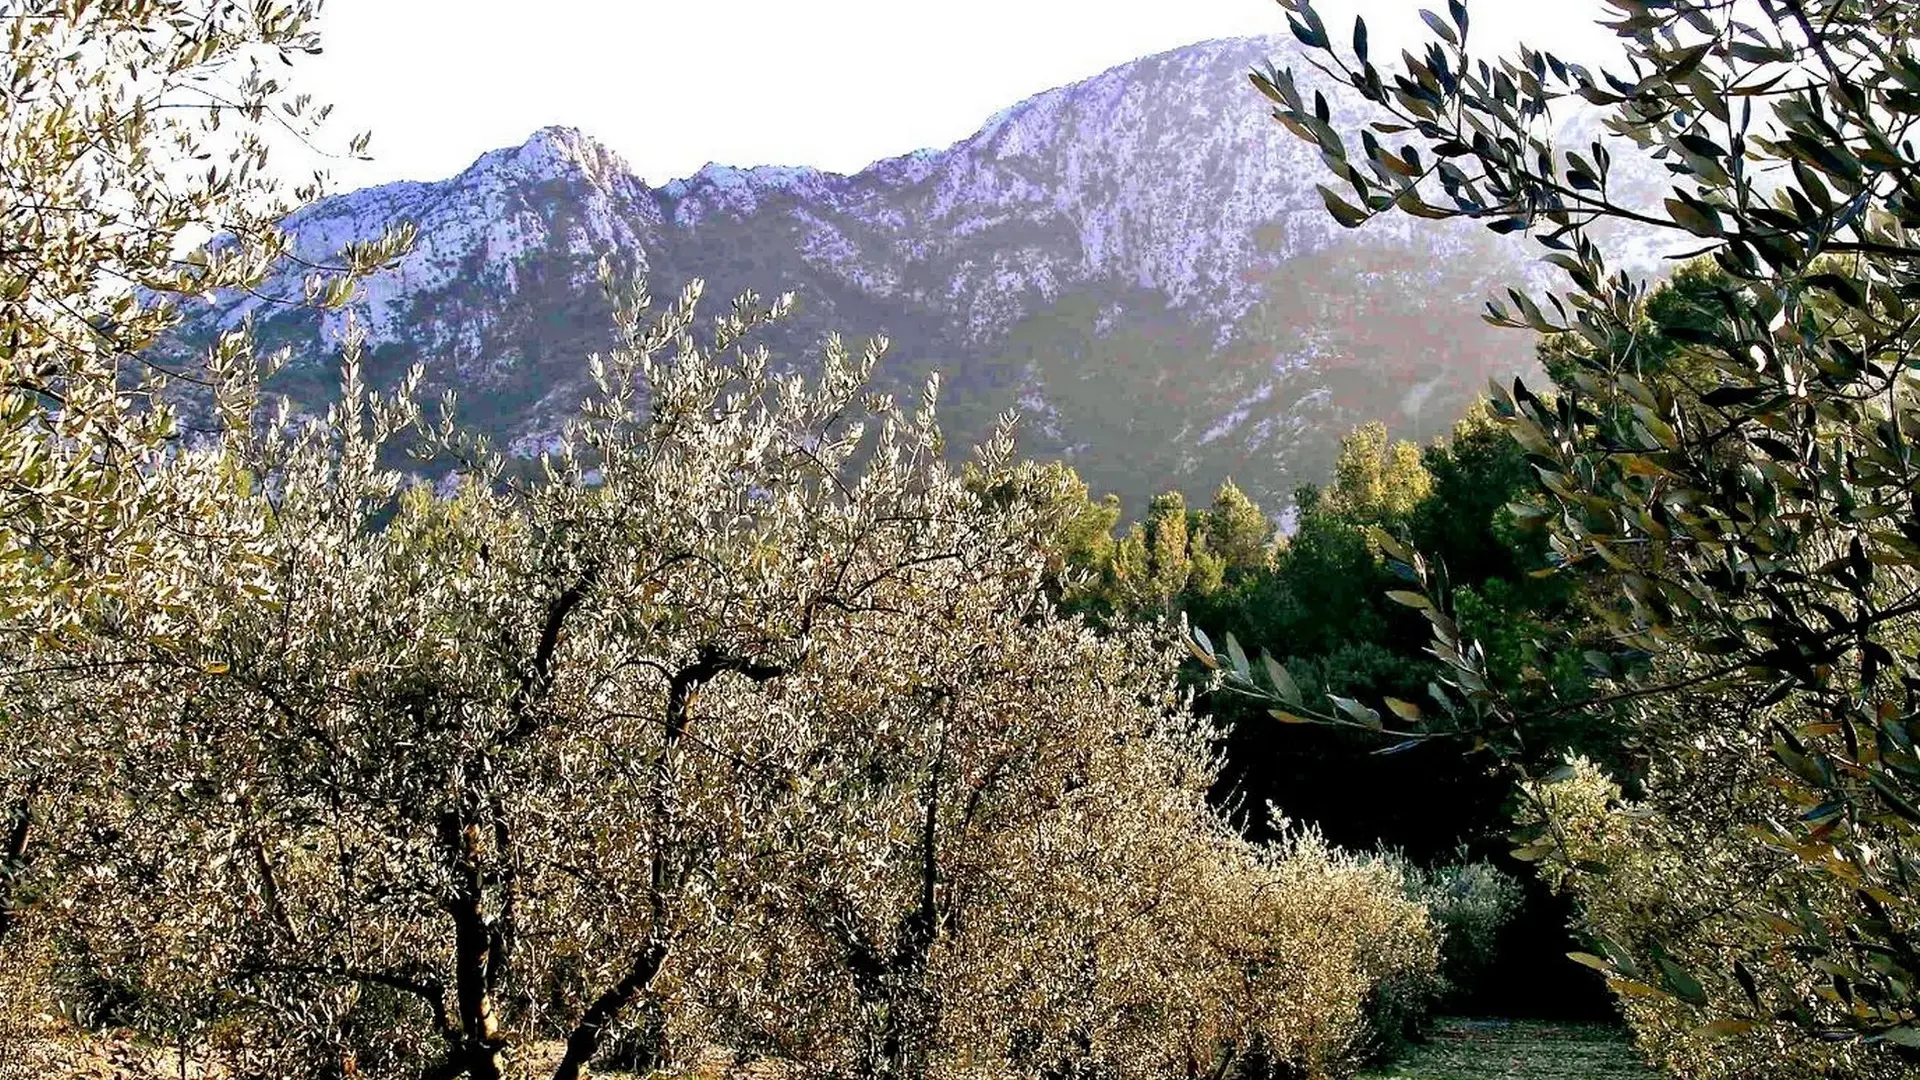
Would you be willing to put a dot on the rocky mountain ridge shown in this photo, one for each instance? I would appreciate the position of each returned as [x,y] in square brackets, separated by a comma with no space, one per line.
[1139,263]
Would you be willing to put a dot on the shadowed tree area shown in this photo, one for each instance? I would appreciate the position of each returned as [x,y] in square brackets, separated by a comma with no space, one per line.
[1733,496]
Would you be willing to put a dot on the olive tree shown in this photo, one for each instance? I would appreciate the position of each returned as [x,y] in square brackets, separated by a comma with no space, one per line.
[1059,899]
[1750,506]
[134,141]
[459,772]
[742,721]
[134,138]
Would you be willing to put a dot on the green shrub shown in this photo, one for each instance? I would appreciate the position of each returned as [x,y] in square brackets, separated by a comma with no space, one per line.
[1470,902]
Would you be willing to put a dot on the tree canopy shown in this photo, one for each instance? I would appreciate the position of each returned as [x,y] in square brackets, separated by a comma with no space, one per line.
[1739,488]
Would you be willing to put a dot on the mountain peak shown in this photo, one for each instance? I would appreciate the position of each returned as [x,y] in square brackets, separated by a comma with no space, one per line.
[555,152]
[739,190]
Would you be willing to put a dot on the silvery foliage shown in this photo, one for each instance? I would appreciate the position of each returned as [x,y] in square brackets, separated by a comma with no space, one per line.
[740,720]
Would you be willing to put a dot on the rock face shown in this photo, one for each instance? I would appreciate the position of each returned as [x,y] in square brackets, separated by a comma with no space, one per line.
[1138,263]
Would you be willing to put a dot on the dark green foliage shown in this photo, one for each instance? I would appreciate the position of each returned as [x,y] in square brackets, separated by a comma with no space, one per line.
[1738,492]
[1318,599]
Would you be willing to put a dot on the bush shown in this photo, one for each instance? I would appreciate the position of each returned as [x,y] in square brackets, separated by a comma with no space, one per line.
[1677,881]
[1354,958]
[1470,902]
[1291,959]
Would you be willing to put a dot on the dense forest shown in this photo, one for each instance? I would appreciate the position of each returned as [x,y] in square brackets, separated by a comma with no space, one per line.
[751,726]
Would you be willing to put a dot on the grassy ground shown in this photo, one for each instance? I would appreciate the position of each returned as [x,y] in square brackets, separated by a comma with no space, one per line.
[1518,1050]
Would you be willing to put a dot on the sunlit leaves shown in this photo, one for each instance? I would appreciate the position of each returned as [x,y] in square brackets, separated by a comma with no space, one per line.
[133,140]
[742,707]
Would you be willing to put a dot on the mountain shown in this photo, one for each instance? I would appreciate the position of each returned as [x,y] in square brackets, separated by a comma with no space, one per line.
[1139,263]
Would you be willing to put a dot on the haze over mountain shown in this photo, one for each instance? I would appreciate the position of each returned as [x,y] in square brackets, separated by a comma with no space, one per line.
[1138,263]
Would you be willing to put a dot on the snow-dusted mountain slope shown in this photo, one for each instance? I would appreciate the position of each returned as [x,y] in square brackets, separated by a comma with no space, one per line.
[1139,262]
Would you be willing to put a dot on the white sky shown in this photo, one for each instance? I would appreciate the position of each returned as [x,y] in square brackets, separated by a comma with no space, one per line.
[673,84]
